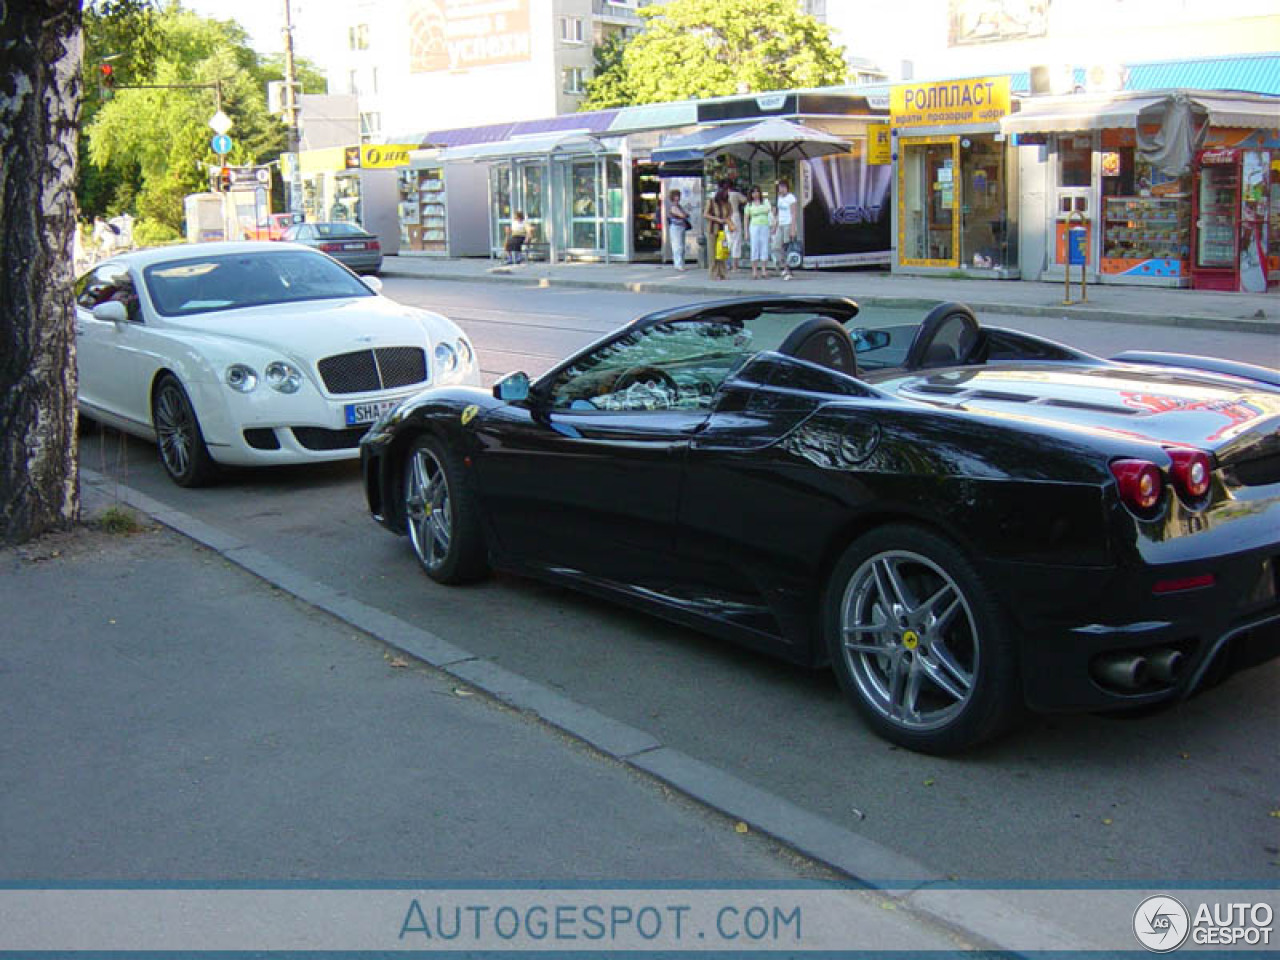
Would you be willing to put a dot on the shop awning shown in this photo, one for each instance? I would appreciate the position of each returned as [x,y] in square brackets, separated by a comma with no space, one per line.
[1091,112]
[567,141]
[1069,114]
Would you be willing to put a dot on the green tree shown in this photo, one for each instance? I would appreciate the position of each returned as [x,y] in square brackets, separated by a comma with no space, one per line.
[122,33]
[153,144]
[608,84]
[709,48]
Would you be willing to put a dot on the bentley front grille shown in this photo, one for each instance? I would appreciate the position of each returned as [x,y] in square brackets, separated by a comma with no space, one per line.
[382,369]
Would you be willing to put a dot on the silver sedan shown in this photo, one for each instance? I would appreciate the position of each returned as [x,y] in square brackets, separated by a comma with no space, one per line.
[348,243]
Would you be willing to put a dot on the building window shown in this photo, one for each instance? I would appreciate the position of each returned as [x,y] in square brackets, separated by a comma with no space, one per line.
[358,37]
[353,82]
[575,80]
[370,124]
[571,30]
[373,80]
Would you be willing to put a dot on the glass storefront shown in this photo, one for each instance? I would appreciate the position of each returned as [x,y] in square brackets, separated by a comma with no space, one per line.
[954,203]
[928,230]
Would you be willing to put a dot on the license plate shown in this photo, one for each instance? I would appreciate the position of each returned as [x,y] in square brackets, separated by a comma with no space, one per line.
[353,246]
[358,413]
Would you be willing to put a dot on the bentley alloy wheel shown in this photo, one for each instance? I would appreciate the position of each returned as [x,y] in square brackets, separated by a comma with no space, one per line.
[182,448]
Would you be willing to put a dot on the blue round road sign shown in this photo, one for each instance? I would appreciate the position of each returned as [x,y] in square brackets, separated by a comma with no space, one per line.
[221,144]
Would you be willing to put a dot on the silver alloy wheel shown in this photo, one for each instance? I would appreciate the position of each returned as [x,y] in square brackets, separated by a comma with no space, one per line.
[910,640]
[427,508]
[175,428]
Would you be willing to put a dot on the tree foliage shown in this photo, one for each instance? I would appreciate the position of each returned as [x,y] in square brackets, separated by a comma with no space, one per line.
[692,49]
[150,146]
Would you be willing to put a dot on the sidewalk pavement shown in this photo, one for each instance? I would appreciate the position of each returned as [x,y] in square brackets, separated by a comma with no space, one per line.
[1202,309]
[182,708]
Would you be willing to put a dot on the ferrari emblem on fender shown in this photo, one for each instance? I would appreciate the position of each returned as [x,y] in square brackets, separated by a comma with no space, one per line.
[469,414]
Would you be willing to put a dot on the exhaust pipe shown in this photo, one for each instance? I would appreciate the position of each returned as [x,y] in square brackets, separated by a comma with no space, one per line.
[1125,670]
[1165,664]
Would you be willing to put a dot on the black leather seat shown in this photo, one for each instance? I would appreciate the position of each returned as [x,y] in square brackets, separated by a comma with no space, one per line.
[823,341]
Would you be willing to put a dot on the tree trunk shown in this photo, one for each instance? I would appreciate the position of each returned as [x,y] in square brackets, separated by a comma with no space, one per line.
[39,112]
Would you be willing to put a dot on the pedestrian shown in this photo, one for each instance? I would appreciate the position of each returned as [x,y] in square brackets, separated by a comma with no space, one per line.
[786,224]
[737,200]
[677,225]
[517,237]
[759,218]
[718,216]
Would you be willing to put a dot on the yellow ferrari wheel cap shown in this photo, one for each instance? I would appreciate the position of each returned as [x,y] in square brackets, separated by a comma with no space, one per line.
[910,639]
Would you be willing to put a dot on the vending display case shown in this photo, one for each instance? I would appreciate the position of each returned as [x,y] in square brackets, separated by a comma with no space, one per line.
[1146,236]
[1232,220]
[422,210]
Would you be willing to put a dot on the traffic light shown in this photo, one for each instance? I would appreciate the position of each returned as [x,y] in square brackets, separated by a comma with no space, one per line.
[106,80]
[224,180]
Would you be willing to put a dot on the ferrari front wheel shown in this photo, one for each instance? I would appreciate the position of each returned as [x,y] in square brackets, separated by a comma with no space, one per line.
[919,643]
[441,515]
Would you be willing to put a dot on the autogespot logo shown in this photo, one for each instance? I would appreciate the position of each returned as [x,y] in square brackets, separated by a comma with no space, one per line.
[1161,924]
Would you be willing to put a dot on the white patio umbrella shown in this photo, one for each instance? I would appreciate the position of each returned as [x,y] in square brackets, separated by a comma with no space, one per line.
[778,139]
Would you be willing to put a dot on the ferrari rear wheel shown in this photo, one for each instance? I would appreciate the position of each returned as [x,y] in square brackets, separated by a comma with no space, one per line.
[182,448]
[918,642]
[441,514]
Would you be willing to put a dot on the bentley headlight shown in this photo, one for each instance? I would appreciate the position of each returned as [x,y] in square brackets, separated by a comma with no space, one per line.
[284,377]
[241,378]
[446,361]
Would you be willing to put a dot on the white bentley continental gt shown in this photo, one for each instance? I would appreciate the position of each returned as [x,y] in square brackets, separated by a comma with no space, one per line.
[251,354]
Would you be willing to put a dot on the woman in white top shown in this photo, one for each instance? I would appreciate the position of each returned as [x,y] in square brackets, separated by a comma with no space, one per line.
[786,223]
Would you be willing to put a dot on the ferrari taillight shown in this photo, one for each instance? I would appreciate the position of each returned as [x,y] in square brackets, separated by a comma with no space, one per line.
[1191,472]
[1140,484]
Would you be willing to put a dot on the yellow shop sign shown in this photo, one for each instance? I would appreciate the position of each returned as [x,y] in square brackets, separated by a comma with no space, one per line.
[381,156]
[976,100]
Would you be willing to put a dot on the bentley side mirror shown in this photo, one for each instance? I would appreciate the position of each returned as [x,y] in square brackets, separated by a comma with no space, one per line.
[111,311]
[513,388]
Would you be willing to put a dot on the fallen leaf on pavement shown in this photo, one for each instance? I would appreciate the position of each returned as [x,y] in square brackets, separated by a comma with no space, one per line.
[463,693]
[399,662]
[741,827]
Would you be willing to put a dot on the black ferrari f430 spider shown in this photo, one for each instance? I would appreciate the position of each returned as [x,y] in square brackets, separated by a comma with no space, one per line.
[962,521]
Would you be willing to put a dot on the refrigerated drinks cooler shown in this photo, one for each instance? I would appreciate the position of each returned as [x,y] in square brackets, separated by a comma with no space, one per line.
[1230,220]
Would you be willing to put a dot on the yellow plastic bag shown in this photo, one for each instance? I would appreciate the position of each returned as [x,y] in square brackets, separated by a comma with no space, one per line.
[722,245]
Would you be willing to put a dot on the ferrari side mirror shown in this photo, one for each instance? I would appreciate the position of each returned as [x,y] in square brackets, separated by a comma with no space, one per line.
[513,388]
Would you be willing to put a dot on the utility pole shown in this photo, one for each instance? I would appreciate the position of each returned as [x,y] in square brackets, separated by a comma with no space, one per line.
[293,189]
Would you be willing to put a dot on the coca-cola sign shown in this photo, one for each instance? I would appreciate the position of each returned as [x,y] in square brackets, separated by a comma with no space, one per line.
[1211,157]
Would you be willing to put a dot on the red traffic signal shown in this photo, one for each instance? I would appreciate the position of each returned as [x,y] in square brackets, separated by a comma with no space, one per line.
[224,179]
[106,80]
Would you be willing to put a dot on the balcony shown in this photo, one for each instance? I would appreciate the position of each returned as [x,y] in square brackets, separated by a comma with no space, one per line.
[616,14]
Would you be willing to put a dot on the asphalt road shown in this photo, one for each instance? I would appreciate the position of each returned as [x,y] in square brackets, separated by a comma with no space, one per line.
[1183,795]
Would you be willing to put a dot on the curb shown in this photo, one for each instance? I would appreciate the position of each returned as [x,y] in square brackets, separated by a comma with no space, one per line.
[1098,314]
[868,864]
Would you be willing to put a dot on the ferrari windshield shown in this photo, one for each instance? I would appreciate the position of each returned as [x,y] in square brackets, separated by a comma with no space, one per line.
[230,281]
